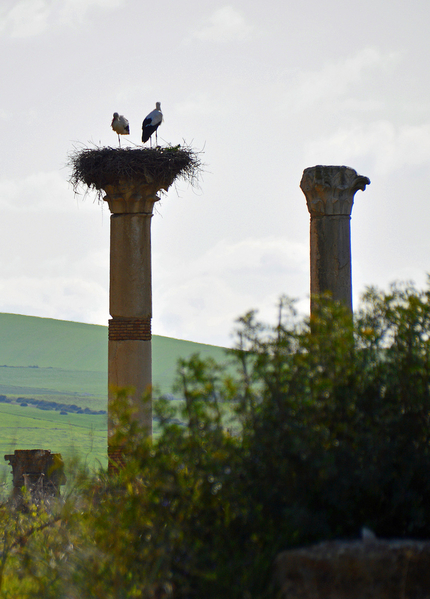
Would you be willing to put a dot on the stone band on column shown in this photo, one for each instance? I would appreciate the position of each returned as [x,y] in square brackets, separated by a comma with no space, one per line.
[130,329]
[116,459]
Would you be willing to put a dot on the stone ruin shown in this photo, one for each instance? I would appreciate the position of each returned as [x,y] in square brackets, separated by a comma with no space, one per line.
[39,471]
[130,181]
[329,192]
[367,569]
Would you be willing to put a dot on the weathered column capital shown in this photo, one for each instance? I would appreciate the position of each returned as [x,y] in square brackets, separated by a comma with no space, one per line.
[131,197]
[330,190]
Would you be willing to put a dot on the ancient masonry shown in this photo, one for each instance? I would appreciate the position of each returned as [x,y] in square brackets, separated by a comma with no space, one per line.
[39,471]
[128,180]
[376,569]
[130,300]
[329,192]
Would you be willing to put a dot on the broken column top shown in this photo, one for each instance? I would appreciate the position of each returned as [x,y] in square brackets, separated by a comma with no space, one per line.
[330,190]
[36,462]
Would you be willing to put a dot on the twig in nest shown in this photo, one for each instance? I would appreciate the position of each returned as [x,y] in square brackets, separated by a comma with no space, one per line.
[94,168]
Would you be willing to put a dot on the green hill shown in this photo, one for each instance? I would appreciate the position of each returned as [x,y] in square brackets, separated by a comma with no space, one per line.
[49,343]
[56,361]
[62,358]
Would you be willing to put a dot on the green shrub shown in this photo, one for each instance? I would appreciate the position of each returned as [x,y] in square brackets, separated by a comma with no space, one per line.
[322,428]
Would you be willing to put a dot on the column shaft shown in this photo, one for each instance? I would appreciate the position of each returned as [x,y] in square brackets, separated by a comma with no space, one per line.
[329,192]
[130,294]
[130,305]
[330,257]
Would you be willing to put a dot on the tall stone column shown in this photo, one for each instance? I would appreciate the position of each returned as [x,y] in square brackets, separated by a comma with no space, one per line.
[329,192]
[129,355]
[131,178]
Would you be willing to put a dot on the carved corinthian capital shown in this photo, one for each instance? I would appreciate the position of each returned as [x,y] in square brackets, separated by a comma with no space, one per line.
[330,190]
[131,196]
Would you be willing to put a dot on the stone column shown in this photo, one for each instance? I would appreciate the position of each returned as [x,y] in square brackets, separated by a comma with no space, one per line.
[130,293]
[329,192]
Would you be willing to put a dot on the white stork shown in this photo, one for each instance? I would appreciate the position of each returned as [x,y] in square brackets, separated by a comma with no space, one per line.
[151,124]
[120,125]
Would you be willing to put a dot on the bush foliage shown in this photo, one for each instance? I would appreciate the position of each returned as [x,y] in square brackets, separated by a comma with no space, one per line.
[321,428]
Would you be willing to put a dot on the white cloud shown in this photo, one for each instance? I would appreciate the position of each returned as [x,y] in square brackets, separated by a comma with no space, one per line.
[226,24]
[202,104]
[34,193]
[76,10]
[202,299]
[304,92]
[38,192]
[26,18]
[336,79]
[29,18]
[65,298]
[103,4]
[54,251]
[387,146]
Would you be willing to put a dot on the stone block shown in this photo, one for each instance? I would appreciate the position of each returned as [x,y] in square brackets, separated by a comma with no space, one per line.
[398,569]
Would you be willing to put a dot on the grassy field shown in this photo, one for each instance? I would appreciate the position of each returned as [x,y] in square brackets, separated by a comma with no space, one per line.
[66,362]
[74,435]
[82,387]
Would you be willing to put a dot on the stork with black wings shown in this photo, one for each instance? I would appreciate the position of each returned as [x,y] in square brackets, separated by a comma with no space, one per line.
[151,124]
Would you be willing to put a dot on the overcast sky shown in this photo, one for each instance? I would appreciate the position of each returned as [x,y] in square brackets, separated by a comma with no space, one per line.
[264,90]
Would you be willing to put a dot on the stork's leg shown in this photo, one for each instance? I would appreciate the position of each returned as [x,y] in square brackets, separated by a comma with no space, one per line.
[119,140]
[156,138]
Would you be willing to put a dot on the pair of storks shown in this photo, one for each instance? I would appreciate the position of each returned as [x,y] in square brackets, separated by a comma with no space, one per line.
[149,126]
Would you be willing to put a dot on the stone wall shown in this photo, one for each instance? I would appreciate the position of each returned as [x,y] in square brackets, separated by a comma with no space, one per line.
[355,570]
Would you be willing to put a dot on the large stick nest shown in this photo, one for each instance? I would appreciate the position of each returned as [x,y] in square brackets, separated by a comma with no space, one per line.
[95,168]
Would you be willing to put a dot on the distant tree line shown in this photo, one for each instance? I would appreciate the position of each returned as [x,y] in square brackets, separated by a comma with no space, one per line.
[43,404]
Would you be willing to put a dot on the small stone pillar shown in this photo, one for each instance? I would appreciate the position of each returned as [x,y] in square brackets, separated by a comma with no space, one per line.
[129,355]
[329,192]
[38,470]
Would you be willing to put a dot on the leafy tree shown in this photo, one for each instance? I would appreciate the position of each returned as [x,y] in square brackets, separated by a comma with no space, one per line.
[317,428]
